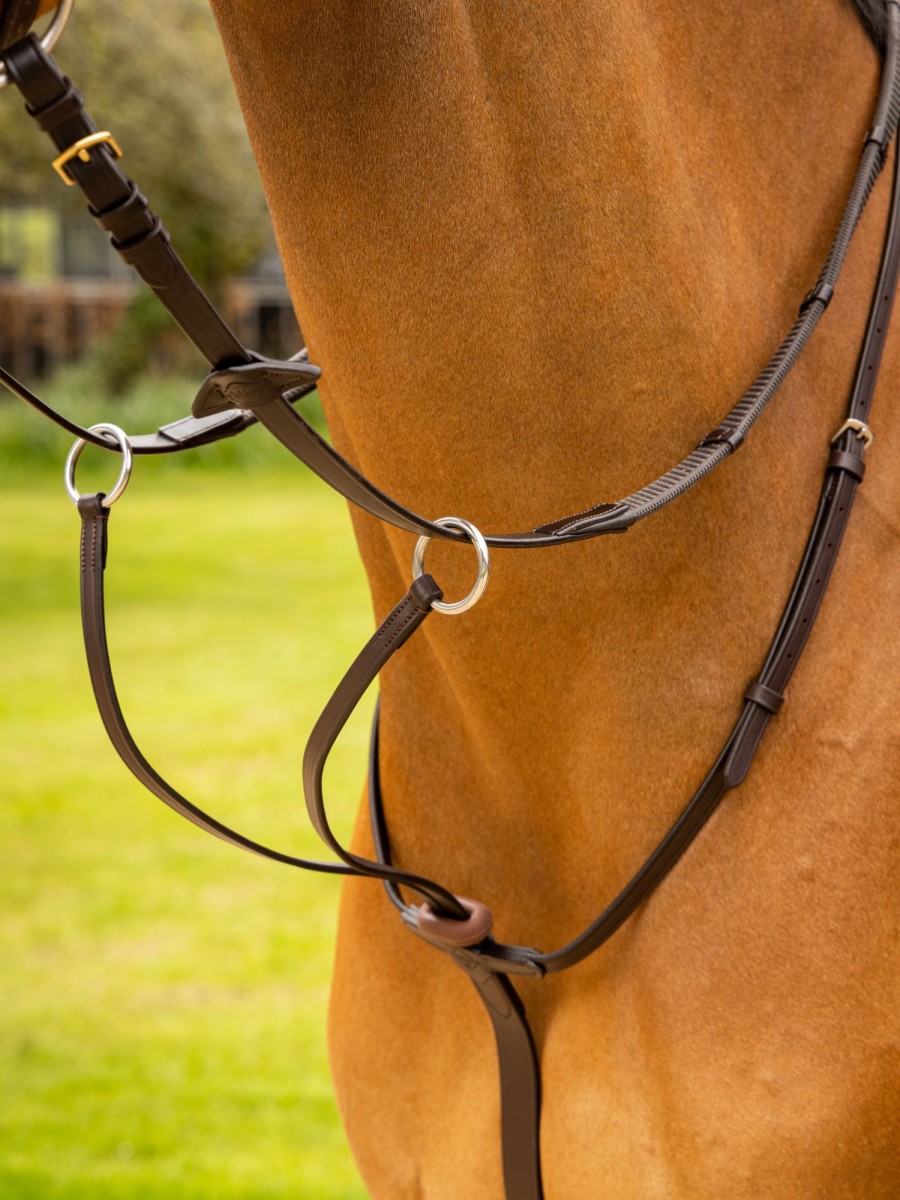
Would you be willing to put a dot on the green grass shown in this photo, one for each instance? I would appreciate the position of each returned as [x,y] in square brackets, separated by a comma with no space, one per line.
[162,994]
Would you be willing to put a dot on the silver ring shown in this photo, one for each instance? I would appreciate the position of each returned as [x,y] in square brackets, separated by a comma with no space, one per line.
[484,565]
[50,38]
[123,445]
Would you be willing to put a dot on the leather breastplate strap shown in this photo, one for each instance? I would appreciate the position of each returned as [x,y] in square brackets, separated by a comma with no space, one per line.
[244,384]
[489,962]
[845,467]
[243,387]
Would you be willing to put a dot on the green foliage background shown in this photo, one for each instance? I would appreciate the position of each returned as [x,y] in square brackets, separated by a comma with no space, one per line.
[163,995]
[154,74]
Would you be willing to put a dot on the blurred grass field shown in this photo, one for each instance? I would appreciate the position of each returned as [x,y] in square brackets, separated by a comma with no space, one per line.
[163,995]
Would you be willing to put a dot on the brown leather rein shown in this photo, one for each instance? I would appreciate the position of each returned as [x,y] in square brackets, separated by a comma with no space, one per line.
[243,388]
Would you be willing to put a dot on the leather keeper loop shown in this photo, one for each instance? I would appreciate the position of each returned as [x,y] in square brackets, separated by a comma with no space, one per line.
[843,460]
[821,292]
[60,110]
[877,136]
[133,204]
[456,933]
[765,697]
[723,437]
[135,253]
[115,220]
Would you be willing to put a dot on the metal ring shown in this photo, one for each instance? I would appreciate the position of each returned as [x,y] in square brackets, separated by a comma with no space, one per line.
[50,38]
[484,565]
[122,443]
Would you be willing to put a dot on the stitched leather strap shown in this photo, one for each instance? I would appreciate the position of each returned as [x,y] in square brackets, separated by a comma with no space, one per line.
[138,235]
[520,1071]
[94,544]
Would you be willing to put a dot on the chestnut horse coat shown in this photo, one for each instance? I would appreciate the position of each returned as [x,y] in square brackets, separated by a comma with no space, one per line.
[538,250]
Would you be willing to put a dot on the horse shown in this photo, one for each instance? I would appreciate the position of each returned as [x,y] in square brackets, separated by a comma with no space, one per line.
[537,251]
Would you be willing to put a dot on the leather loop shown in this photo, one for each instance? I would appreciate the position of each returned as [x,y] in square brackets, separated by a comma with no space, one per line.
[474,929]
[767,698]
[64,108]
[822,293]
[843,460]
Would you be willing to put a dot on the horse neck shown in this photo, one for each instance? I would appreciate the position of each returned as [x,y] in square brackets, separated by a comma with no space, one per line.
[539,251]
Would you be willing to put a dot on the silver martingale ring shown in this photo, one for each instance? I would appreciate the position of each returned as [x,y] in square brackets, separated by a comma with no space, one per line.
[118,441]
[484,565]
[50,38]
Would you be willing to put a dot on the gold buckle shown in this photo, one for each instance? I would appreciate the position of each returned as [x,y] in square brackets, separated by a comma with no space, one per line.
[80,150]
[860,428]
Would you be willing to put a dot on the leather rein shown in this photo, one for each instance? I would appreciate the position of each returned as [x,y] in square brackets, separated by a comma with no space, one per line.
[242,388]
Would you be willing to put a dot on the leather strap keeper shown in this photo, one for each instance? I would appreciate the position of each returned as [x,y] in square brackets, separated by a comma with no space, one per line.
[843,460]
[765,697]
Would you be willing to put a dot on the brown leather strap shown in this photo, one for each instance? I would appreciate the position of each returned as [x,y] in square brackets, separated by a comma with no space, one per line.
[94,545]
[184,434]
[489,961]
[404,620]
[243,381]
[116,202]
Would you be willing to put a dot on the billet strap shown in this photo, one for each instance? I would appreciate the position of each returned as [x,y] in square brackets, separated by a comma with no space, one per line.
[245,382]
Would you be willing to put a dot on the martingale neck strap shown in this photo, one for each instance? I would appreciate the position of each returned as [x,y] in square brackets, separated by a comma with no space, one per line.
[243,387]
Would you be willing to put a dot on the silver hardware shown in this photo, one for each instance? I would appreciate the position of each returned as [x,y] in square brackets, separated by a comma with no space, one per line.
[484,565]
[860,428]
[50,38]
[123,445]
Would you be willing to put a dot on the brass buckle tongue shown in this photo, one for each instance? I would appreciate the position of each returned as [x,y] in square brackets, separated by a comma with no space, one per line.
[80,150]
